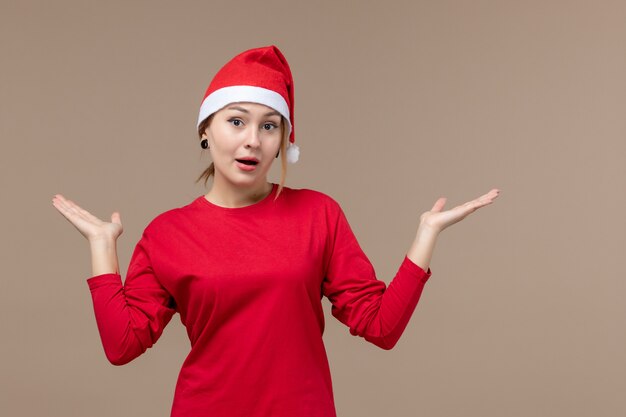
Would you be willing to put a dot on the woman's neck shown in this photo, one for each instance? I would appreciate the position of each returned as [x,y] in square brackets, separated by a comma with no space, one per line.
[227,195]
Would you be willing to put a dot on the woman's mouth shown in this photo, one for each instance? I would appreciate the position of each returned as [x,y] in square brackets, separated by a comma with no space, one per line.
[247,161]
[246,164]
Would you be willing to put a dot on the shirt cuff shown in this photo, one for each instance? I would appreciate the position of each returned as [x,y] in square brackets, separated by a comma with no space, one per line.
[415,269]
[104,279]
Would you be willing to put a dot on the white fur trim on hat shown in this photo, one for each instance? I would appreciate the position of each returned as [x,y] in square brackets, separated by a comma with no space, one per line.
[239,93]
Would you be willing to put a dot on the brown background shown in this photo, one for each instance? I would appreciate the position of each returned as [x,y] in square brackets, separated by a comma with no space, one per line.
[396,105]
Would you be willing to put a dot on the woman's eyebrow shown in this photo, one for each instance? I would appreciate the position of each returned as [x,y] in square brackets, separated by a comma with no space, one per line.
[272,113]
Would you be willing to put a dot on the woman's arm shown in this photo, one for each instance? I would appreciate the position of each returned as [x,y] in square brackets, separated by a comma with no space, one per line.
[132,315]
[370,308]
[435,221]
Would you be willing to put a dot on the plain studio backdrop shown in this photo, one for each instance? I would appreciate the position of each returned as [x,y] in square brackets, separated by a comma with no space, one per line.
[396,105]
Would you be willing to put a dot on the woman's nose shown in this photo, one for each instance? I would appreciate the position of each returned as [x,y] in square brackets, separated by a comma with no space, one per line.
[252,138]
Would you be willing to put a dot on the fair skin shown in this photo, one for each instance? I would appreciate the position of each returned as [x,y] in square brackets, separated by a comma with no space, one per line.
[238,131]
[242,130]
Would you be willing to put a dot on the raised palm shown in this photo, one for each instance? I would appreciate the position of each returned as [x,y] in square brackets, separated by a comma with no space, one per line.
[438,220]
[87,224]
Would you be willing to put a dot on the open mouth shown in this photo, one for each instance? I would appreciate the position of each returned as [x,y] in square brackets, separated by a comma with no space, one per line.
[246,161]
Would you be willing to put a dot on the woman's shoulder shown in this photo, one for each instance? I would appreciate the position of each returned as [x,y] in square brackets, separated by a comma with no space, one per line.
[172,217]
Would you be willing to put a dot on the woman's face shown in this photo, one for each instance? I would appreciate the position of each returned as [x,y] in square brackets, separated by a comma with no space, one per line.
[243,141]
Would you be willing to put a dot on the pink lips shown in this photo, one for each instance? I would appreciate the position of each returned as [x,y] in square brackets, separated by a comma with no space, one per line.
[246,167]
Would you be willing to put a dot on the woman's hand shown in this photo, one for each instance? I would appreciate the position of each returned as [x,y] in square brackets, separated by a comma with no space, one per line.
[437,220]
[434,221]
[87,224]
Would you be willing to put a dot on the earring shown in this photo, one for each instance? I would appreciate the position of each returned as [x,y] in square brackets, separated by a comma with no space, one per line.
[204,143]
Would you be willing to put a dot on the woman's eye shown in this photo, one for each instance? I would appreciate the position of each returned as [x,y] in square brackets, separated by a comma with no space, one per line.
[236,122]
[269,126]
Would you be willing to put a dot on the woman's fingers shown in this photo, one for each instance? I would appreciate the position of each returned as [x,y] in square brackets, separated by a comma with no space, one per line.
[63,206]
[492,194]
[487,198]
[440,220]
[439,204]
[73,212]
[87,224]
[482,200]
[470,205]
[115,218]
[87,215]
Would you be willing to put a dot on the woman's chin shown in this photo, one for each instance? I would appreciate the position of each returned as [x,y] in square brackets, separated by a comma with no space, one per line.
[246,180]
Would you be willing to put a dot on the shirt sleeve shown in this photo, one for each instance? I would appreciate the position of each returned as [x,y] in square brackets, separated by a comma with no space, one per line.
[130,317]
[371,309]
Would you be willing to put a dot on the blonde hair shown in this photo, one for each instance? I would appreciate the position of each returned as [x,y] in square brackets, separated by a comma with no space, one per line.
[283,153]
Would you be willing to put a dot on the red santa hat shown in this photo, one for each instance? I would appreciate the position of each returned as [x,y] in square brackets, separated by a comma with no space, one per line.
[259,75]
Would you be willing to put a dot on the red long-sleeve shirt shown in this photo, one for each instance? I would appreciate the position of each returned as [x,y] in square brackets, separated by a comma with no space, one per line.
[248,283]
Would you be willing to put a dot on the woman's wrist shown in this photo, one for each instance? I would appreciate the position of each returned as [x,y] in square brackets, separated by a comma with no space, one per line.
[104,256]
[421,251]
[102,240]
[426,230]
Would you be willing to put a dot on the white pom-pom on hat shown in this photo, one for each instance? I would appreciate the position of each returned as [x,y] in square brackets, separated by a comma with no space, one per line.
[293,153]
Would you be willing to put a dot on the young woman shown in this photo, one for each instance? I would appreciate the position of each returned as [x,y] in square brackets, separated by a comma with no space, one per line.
[247,264]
